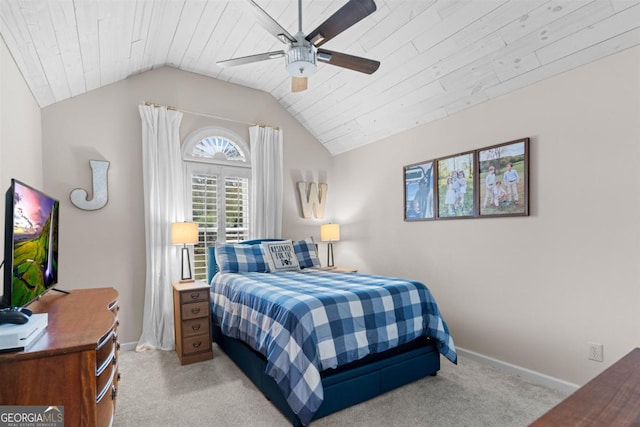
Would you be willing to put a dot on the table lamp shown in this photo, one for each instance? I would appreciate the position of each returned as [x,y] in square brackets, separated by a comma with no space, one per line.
[330,233]
[184,233]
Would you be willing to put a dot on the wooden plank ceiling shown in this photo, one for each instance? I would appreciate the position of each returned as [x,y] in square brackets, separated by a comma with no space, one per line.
[438,57]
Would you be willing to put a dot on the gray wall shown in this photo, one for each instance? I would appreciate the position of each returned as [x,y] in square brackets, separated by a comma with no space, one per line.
[106,247]
[530,291]
[20,134]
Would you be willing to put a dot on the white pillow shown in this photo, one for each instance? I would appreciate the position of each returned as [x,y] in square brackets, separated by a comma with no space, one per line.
[280,256]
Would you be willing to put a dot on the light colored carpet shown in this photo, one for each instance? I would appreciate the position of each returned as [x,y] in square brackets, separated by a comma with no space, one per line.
[156,390]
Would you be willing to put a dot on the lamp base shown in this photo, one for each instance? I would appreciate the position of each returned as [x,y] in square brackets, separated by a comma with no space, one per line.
[330,255]
[186,265]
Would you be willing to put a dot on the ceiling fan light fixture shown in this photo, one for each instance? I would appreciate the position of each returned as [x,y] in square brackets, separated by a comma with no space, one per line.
[298,84]
[301,61]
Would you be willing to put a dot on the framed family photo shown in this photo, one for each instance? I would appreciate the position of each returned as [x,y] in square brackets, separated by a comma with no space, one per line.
[456,186]
[419,199]
[504,179]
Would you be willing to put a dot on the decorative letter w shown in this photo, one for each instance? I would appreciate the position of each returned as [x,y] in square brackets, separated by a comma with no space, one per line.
[314,200]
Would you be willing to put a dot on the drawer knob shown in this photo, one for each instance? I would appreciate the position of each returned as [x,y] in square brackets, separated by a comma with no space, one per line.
[197,344]
[195,310]
[195,326]
[119,376]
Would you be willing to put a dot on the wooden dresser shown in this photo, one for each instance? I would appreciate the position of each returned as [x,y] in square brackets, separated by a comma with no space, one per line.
[74,364]
[610,399]
[192,318]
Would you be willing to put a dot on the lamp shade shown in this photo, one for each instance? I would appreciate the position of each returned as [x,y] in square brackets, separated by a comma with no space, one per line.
[330,232]
[184,233]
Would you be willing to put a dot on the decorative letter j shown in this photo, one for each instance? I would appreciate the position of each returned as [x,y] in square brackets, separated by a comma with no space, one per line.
[80,197]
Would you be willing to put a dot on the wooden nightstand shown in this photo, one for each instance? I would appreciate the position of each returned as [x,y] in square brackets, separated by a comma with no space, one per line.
[192,318]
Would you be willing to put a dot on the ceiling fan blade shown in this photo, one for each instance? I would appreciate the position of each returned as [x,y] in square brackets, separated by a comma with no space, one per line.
[251,58]
[345,17]
[270,24]
[298,84]
[356,63]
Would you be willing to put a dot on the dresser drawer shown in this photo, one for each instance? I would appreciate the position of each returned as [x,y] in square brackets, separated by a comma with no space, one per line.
[105,377]
[195,295]
[197,309]
[106,406]
[197,343]
[106,348]
[197,326]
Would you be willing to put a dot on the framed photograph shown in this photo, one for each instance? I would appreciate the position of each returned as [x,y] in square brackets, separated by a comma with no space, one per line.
[456,186]
[418,191]
[504,179]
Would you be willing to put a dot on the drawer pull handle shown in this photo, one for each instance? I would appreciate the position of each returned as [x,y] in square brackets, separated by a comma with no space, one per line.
[195,295]
[119,376]
[114,360]
[195,326]
[197,344]
[114,392]
[195,310]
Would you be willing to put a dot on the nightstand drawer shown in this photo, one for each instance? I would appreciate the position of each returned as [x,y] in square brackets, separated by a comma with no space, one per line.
[195,295]
[197,309]
[196,326]
[196,344]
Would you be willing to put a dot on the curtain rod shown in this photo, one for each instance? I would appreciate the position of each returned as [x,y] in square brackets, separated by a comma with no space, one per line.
[211,116]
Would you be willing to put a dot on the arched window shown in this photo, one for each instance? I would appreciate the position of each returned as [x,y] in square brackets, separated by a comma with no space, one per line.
[218,175]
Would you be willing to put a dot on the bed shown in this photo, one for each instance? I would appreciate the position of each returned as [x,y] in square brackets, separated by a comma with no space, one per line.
[315,342]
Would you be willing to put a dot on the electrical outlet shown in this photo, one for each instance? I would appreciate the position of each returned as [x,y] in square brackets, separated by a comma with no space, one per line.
[596,352]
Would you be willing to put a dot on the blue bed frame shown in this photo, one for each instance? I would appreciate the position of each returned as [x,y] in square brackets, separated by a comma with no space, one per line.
[345,386]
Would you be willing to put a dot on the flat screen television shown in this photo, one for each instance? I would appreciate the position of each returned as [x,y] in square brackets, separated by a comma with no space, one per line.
[30,244]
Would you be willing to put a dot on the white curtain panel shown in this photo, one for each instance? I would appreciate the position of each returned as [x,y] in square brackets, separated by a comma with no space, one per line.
[163,204]
[266,181]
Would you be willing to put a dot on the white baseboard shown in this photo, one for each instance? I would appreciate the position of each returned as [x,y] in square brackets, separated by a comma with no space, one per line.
[128,346]
[528,374]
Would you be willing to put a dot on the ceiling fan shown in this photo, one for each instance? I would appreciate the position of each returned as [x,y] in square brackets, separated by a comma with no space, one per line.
[304,51]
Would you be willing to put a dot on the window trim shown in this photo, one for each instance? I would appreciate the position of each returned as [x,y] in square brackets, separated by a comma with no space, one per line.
[198,135]
[222,169]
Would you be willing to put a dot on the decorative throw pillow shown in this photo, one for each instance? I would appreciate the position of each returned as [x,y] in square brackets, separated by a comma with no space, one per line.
[236,258]
[280,256]
[306,253]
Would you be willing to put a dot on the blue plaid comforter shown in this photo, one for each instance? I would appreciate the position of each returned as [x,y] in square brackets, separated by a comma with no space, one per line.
[304,322]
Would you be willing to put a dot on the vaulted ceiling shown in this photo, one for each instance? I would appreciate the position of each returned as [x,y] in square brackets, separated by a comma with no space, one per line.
[437,57]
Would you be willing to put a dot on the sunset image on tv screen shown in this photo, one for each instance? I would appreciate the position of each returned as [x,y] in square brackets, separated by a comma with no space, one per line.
[35,237]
